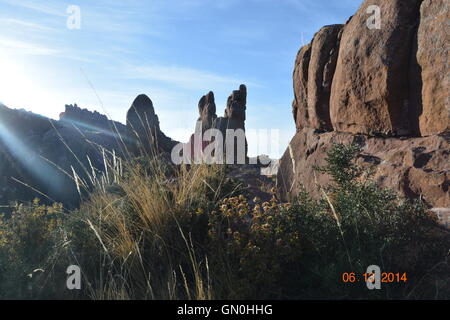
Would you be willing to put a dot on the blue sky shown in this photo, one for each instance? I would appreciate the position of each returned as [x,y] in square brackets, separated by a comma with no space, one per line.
[173,51]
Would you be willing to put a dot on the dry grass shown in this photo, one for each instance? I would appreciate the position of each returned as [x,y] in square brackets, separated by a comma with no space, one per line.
[139,224]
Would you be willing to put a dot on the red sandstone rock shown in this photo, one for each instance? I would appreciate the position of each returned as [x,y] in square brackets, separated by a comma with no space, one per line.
[388,81]
[414,167]
[300,77]
[322,64]
[370,92]
[433,57]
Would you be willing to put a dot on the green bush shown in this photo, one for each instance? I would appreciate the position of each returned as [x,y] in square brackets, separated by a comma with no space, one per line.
[258,249]
[30,242]
[358,224]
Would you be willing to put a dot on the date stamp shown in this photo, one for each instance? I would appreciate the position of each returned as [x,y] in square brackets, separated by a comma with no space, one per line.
[373,277]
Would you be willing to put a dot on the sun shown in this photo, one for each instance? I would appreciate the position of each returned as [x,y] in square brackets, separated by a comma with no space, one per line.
[16,87]
[20,87]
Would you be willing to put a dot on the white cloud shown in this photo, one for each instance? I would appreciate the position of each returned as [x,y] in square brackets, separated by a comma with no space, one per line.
[186,78]
[17,23]
[26,47]
[18,47]
[54,9]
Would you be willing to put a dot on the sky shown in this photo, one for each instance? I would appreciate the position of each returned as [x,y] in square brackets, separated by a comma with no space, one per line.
[174,51]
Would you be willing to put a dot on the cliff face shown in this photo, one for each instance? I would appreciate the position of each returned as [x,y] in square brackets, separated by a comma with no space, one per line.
[386,89]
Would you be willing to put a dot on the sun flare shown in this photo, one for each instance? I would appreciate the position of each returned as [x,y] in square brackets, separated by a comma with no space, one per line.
[21,88]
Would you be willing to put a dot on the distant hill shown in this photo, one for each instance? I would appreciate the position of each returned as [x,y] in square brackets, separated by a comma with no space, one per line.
[36,150]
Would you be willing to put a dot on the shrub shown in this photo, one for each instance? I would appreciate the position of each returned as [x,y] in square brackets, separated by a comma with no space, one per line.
[257,248]
[358,224]
[163,232]
[30,239]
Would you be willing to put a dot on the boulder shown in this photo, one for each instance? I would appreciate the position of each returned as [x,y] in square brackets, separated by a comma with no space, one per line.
[369,93]
[322,64]
[433,57]
[300,77]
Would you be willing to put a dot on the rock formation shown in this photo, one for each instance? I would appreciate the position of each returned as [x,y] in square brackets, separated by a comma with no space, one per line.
[84,117]
[300,77]
[370,92]
[233,119]
[385,89]
[324,50]
[236,107]
[414,167]
[143,128]
[434,58]
[207,111]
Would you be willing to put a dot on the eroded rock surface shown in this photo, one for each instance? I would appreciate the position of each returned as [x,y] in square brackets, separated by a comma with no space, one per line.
[413,167]
[324,53]
[300,77]
[370,92]
[386,89]
[434,58]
